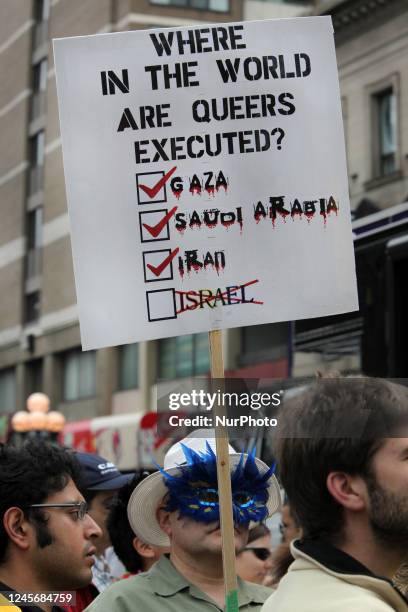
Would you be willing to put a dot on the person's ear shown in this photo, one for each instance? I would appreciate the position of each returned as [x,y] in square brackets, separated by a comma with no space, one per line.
[349,491]
[143,549]
[17,527]
[163,518]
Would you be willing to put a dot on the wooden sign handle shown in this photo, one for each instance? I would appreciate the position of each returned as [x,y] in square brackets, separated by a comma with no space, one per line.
[224,481]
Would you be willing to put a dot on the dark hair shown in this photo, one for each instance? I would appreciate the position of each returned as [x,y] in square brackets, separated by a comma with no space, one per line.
[120,531]
[336,425]
[281,560]
[259,531]
[89,494]
[286,504]
[29,475]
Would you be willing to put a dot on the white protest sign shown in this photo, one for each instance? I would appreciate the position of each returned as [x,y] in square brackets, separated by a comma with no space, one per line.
[206,178]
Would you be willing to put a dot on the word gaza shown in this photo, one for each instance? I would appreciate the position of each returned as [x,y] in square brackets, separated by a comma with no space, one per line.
[210,182]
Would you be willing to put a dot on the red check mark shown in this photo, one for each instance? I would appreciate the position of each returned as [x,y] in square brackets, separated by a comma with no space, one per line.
[155,230]
[153,191]
[159,269]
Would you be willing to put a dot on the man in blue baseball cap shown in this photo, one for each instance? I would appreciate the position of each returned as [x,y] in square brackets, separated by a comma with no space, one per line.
[101,481]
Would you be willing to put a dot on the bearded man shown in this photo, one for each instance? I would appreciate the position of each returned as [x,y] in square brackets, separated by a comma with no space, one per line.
[344,466]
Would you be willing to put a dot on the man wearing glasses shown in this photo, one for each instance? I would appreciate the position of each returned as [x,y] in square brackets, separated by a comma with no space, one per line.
[178,507]
[46,535]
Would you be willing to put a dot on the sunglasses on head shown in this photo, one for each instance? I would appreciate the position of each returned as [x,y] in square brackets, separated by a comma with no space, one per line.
[260,553]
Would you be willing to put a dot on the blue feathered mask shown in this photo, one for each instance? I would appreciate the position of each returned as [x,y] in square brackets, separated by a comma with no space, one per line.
[194,491]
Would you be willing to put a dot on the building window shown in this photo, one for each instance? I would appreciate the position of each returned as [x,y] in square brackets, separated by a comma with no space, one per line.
[220,6]
[386,131]
[36,157]
[264,343]
[41,17]
[34,251]
[7,391]
[40,76]
[39,86]
[34,228]
[32,307]
[184,356]
[37,147]
[41,10]
[128,367]
[33,376]
[78,375]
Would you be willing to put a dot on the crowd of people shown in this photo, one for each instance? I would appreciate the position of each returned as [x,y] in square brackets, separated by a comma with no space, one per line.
[72,523]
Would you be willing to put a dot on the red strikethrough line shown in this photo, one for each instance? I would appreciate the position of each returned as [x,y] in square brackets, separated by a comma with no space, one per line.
[217,297]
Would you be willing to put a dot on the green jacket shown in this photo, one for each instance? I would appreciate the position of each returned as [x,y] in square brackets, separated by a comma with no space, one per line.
[163,588]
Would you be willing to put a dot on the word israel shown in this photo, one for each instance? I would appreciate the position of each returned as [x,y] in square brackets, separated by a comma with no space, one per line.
[235,294]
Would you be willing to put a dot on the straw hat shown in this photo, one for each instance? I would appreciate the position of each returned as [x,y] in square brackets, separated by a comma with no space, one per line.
[148,495]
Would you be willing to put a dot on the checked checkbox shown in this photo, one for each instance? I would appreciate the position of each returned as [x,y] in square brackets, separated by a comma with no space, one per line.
[157,265]
[154,224]
[151,186]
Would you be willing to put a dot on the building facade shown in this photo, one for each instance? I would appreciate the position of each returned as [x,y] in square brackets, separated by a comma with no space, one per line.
[372,54]
[39,332]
